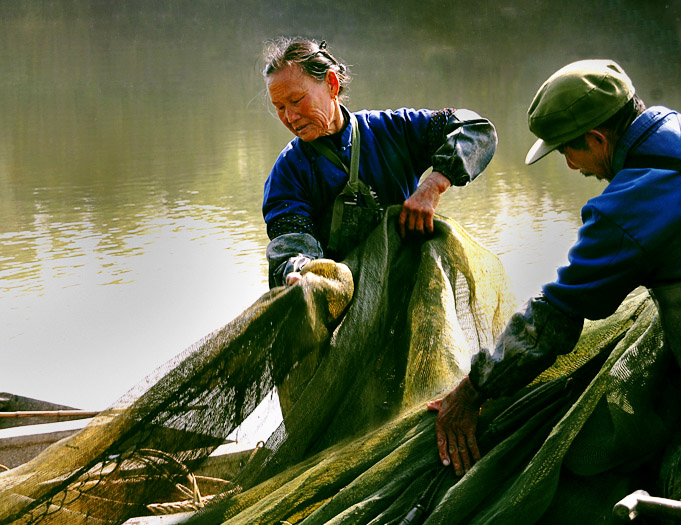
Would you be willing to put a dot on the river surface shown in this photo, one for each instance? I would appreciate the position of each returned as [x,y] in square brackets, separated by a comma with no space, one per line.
[135,138]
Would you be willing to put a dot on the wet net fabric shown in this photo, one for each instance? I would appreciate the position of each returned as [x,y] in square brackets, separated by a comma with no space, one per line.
[354,351]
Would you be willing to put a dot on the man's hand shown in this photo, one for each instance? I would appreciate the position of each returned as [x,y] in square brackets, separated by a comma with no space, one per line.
[418,210]
[455,426]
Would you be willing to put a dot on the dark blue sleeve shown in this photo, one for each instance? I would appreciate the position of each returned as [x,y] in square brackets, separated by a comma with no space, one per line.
[394,153]
[399,146]
[284,193]
[605,264]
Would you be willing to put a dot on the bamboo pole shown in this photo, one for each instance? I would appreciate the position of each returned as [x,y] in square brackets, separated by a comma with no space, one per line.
[49,413]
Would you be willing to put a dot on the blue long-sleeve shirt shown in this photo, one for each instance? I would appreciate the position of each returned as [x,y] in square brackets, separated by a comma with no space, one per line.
[631,233]
[631,236]
[397,147]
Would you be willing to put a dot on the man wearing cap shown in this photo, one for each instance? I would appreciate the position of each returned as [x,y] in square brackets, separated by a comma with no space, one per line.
[589,112]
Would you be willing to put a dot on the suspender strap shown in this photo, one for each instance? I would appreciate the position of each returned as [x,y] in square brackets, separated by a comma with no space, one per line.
[348,196]
[354,185]
[659,162]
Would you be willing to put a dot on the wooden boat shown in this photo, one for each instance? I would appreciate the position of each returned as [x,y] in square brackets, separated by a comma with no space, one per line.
[28,426]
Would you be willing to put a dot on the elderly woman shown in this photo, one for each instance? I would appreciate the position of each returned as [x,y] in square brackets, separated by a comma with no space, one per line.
[306,84]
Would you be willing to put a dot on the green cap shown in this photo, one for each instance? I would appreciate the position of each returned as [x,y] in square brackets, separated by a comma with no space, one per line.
[574,100]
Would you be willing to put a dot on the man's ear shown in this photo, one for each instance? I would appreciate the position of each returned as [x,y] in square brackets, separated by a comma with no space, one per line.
[597,140]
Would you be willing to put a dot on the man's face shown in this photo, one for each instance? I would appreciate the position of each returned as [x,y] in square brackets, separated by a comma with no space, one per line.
[593,161]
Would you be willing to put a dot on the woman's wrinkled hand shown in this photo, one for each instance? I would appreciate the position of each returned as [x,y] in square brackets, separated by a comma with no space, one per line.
[456,424]
[292,278]
[419,209]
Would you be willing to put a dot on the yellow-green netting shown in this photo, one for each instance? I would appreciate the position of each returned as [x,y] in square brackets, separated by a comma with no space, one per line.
[355,350]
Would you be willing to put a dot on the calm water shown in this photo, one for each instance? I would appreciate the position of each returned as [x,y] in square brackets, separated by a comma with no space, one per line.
[135,139]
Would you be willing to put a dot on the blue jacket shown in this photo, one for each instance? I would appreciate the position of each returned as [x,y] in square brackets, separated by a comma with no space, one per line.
[397,147]
[631,233]
[303,182]
[630,237]
[394,154]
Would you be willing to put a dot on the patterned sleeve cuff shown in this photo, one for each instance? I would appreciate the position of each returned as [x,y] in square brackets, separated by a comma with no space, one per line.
[437,128]
[437,136]
[289,224]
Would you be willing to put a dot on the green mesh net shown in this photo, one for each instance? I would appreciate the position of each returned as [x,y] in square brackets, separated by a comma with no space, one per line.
[354,351]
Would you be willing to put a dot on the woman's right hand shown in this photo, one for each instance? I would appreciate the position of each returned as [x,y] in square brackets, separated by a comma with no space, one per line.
[292,278]
[419,209]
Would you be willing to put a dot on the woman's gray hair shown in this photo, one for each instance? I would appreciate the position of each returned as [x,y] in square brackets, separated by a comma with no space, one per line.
[313,58]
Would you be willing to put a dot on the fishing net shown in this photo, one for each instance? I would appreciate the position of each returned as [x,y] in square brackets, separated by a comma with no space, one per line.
[354,351]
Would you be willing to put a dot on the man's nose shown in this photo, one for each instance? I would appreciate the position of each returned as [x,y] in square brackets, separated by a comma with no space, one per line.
[570,164]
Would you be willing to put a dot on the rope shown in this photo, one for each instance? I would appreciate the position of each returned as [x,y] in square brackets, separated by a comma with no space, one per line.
[258,446]
[195,500]
[175,507]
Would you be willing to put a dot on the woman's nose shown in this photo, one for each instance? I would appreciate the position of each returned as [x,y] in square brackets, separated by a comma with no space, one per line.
[292,115]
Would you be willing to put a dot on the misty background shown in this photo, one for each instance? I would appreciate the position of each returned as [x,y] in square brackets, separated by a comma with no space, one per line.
[136,136]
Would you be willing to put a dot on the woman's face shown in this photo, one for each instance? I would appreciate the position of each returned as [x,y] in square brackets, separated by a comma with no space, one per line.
[308,108]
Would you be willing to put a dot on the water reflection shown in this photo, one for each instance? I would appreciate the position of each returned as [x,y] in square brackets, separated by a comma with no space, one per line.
[135,140]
